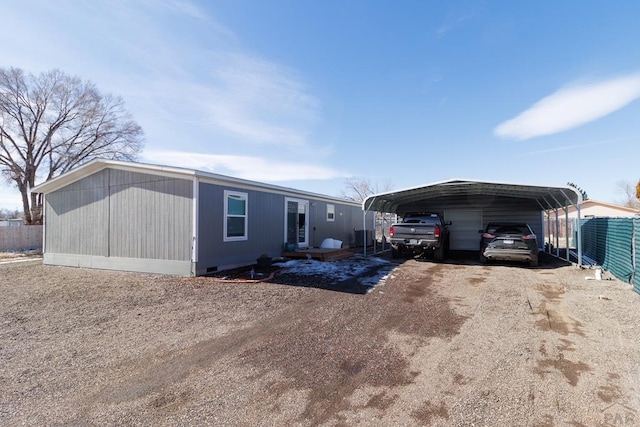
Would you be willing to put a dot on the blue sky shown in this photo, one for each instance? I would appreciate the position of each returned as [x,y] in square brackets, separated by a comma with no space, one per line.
[306,93]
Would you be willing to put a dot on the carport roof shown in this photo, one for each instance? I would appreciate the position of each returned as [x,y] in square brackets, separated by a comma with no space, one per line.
[547,197]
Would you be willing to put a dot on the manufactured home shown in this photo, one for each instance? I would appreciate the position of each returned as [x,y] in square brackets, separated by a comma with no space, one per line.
[158,219]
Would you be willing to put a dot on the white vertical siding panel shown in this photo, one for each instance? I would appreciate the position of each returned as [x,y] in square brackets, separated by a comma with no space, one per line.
[151,216]
[76,217]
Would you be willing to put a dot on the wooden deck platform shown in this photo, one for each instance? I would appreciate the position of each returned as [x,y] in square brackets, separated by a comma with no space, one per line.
[320,254]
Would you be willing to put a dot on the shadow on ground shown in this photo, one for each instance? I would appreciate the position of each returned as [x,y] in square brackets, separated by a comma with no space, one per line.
[356,276]
[545,260]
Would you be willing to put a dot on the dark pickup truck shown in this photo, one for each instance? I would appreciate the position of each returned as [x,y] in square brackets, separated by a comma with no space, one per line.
[420,233]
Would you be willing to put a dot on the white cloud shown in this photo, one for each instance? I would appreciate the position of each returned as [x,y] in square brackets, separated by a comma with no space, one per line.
[186,78]
[179,69]
[246,167]
[570,107]
[188,8]
[220,88]
[260,100]
[584,145]
[452,22]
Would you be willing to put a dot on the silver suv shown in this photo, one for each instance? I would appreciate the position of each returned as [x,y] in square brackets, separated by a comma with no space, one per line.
[508,241]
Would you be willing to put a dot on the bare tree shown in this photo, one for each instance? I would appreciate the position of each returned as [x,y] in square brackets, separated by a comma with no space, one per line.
[9,214]
[585,196]
[630,199]
[52,122]
[359,188]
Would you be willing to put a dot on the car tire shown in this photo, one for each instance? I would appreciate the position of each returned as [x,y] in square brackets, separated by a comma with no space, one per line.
[483,259]
[395,253]
[438,254]
[402,251]
[533,262]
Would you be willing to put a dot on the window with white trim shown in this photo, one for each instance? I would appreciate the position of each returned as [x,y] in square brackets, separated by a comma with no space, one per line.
[331,213]
[235,216]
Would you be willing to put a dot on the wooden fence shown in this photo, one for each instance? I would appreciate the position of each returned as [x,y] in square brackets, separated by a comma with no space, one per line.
[20,238]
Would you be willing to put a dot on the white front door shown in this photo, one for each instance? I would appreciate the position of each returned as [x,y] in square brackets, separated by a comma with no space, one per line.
[296,222]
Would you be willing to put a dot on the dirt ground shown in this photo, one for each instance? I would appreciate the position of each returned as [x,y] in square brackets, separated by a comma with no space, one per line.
[432,344]
[13,256]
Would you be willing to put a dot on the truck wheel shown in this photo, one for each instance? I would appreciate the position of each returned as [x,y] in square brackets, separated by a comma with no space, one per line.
[533,262]
[438,254]
[395,253]
[402,251]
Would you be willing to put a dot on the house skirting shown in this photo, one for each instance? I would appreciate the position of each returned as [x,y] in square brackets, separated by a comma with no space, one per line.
[141,265]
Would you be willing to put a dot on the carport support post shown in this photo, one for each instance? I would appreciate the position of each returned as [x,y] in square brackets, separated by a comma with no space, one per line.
[579,237]
[566,219]
[382,232]
[557,226]
[364,232]
[549,232]
[373,233]
[375,241]
[556,236]
[545,216]
[566,232]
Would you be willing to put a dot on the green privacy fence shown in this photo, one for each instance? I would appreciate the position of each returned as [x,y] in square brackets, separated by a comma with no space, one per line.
[610,242]
[636,253]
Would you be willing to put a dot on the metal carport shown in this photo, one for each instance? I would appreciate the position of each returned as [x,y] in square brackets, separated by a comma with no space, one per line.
[469,200]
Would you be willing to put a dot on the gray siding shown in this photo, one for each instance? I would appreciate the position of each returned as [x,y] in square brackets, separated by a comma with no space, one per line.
[77,217]
[266,223]
[143,222]
[120,215]
[347,220]
[265,228]
[150,216]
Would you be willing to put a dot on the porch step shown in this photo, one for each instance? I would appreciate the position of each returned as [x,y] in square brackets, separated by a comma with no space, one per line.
[320,254]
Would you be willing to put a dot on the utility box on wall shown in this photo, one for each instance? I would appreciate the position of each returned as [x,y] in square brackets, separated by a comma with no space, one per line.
[360,237]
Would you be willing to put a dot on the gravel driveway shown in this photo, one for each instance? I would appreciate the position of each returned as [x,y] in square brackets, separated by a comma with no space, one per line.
[432,344]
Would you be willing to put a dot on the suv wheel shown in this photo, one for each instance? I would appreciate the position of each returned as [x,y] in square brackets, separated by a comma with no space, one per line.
[438,254]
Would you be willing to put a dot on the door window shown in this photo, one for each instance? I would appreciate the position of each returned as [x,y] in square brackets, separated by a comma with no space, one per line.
[297,222]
